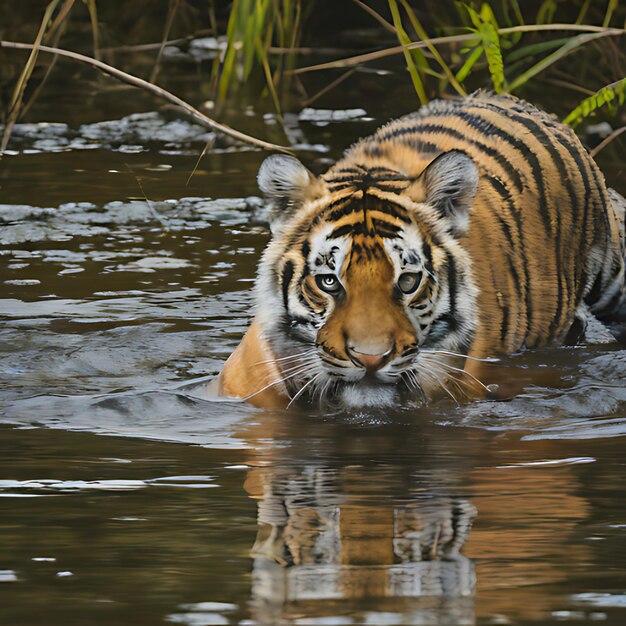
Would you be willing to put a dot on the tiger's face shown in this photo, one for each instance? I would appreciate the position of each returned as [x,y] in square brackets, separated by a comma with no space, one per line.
[365,292]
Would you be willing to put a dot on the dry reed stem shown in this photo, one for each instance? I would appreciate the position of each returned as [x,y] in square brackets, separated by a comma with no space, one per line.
[52,37]
[20,88]
[380,54]
[605,142]
[377,16]
[130,79]
[171,14]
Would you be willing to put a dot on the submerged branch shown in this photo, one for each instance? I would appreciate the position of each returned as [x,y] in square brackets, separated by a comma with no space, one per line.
[130,79]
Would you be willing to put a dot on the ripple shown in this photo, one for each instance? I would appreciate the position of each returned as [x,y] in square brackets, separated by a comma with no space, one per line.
[601,599]
[28,224]
[570,461]
[71,486]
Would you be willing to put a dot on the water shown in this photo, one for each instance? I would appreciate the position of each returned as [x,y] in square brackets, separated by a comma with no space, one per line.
[126,497]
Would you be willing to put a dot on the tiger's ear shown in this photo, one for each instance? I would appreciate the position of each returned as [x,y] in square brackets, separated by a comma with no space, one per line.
[287,184]
[449,184]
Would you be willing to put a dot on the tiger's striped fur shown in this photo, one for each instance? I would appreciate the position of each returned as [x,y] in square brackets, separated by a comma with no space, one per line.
[492,208]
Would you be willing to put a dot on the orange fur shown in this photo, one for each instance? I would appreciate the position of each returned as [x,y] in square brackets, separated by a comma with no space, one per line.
[251,373]
[524,240]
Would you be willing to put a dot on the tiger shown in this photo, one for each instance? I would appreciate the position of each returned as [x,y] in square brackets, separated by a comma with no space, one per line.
[474,228]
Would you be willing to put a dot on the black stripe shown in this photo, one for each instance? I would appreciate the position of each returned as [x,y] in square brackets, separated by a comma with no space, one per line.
[393,210]
[308,226]
[428,253]
[582,161]
[337,214]
[348,170]
[509,254]
[506,197]
[373,149]
[505,323]
[341,231]
[452,290]
[596,290]
[341,186]
[380,228]
[451,325]
[385,229]
[286,277]
[485,126]
[548,143]
[315,300]
[422,127]
[504,309]
[341,179]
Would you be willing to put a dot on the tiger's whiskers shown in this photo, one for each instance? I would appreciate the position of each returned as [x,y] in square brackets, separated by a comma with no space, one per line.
[457,370]
[439,382]
[302,389]
[287,358]
[461,356]
[282,379]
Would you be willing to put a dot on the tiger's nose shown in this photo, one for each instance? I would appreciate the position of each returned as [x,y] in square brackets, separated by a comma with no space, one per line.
[370,362]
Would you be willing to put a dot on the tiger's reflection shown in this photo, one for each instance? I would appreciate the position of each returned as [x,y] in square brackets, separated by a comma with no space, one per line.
[311,547]
[336,535]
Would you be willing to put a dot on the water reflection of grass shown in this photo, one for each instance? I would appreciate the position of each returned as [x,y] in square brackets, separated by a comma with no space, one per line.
[269,49]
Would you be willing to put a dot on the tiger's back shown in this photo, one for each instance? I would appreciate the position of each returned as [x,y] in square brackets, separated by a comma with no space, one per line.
[544,238]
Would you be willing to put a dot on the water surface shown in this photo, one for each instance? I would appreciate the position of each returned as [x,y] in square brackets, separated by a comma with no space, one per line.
[125,499]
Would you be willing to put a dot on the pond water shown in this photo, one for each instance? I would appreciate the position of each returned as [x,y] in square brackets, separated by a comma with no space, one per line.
[125,499]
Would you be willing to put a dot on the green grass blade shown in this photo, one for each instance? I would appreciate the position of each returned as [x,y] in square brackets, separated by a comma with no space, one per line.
[404,40]
[487,29]
[606,96]
[20,87]
[52,37]
[230,56]
[546,12]
[534,49]
[471,60]
[95,32]
[572,44]
[253,27]
[613,4]
[423,35]
[518,19]
[583,12]
[169,21]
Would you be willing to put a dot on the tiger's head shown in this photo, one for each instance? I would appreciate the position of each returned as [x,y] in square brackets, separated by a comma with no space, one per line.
[365,291]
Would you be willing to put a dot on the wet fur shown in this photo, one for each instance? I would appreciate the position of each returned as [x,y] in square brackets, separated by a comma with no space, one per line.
[493,201]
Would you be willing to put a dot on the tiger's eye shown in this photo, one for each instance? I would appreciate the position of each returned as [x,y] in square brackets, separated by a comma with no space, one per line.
[409,282]
[328,283]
